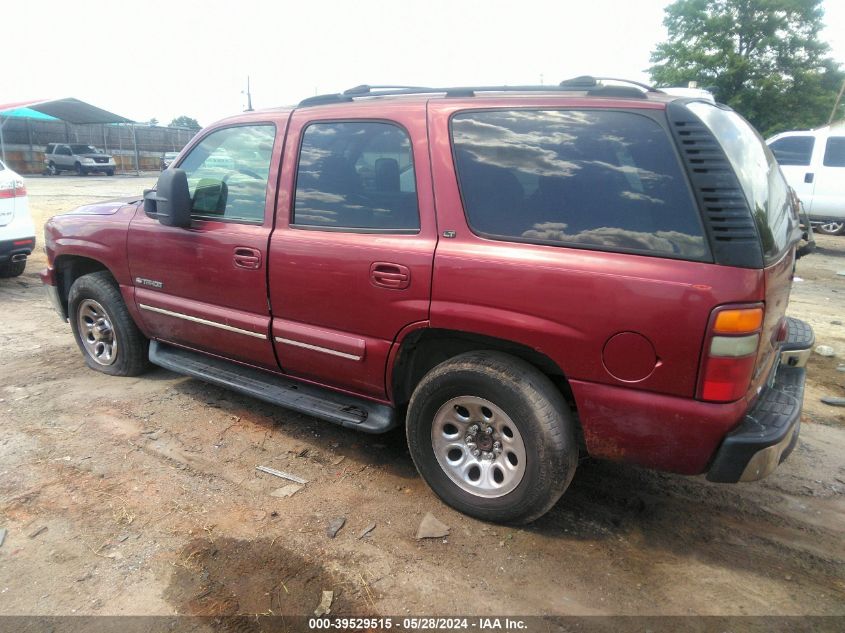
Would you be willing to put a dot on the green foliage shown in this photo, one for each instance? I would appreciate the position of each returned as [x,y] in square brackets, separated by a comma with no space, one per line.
[184,121]
[762,57]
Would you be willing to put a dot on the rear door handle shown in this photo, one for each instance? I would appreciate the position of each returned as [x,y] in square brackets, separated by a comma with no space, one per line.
[388,275]
[246,257]
[808,177]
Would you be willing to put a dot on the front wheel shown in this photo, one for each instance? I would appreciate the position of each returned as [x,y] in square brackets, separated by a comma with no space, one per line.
[831,228]
[80,171]
[492,436]
[110,172]
[104,331]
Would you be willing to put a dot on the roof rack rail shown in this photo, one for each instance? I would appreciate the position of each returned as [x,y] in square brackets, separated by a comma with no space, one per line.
[593,82]
[366,89]
[585,83]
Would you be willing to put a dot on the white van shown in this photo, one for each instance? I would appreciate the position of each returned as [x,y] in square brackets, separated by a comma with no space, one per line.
[814,165]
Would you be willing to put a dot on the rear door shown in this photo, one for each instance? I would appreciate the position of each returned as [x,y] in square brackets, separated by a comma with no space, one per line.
[205,286]
[829,195]
[352,253]
[794,153]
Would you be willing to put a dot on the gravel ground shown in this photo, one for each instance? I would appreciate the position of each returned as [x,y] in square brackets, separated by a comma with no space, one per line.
[140,496]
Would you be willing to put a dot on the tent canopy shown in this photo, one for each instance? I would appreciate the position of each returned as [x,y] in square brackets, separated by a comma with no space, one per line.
[70,110]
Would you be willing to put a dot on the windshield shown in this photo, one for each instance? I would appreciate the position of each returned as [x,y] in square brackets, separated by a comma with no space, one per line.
[84,149]
[171,155]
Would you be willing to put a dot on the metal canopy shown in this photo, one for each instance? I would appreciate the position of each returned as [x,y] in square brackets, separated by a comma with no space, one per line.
[70,110]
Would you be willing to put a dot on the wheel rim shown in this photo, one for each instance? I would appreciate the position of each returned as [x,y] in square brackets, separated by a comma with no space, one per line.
[832,227]
[96,332]
[478,446]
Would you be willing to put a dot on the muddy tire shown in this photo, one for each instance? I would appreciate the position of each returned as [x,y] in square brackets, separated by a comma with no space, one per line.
[105,332]
[492,436]
[12,269]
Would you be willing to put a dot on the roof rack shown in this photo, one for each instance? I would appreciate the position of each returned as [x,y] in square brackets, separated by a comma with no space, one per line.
[591,85]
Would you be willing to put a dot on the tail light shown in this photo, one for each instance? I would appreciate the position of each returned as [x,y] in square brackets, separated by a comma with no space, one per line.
[730,353]
[12,189]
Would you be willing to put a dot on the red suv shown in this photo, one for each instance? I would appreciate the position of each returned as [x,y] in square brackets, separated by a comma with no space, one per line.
[516,274]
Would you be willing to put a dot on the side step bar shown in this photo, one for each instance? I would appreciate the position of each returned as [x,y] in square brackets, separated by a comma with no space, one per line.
[349,411]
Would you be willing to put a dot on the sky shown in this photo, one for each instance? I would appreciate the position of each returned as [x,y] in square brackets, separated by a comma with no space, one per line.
[147,58]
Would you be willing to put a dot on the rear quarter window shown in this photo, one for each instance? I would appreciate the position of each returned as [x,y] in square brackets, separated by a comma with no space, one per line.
[596,179]
[762,182]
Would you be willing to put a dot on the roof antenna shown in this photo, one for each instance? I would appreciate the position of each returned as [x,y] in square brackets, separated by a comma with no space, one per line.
[248,94]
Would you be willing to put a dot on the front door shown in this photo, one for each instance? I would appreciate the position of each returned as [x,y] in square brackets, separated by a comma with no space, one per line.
[205,286]
[352,253]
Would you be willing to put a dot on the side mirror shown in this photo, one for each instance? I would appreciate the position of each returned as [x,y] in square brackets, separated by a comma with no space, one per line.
[170,202]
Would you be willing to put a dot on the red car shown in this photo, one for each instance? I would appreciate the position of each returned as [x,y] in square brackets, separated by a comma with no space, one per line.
[514,274]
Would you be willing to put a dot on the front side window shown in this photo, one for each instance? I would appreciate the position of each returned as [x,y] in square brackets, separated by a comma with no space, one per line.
[227,173]
[356,176]
[587,178]
[793,150]
[834,152]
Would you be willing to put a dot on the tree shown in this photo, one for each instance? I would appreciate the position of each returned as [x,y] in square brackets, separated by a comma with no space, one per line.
[184,121]
[153,121]
[761,57]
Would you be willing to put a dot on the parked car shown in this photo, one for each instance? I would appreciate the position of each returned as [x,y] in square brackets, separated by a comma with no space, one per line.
[814,165]
[17,232]
[83,159]
[587,267]
[166,159]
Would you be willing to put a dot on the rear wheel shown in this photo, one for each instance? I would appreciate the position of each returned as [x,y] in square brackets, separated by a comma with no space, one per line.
[52,170]
[492,436]
[105,332]
[831,228]
[12,269]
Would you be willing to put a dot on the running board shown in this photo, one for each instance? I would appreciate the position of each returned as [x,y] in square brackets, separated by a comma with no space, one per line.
[349,411]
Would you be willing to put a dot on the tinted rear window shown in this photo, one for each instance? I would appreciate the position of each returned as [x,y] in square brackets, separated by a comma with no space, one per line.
[587,178]
[793,150]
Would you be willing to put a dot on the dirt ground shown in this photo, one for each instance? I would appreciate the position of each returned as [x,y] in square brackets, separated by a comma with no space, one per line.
[140,496]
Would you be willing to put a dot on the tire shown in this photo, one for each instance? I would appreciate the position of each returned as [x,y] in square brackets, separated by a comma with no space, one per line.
[79,170]
[114,345]
[526,410]
[12,269]
[830,228]
[52,170]
[110,172]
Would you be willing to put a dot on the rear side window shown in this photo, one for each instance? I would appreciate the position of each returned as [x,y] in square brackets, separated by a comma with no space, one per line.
[759,176]
[587,178]
[356,176]
[834,152]
[793,150]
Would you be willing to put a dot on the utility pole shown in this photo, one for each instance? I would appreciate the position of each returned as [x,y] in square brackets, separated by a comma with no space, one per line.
[248,94]
[836,105]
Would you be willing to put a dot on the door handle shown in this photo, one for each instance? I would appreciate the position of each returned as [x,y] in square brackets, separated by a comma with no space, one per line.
[246,257]
[387,275]
[808,177]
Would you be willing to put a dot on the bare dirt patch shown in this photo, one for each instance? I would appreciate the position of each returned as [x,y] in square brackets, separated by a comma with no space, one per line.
[151,502]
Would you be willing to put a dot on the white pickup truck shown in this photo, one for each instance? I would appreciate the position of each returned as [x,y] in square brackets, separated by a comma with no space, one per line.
[814,165]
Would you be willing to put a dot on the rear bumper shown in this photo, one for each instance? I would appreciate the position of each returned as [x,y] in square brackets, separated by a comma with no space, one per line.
[769,430]
[17,248]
